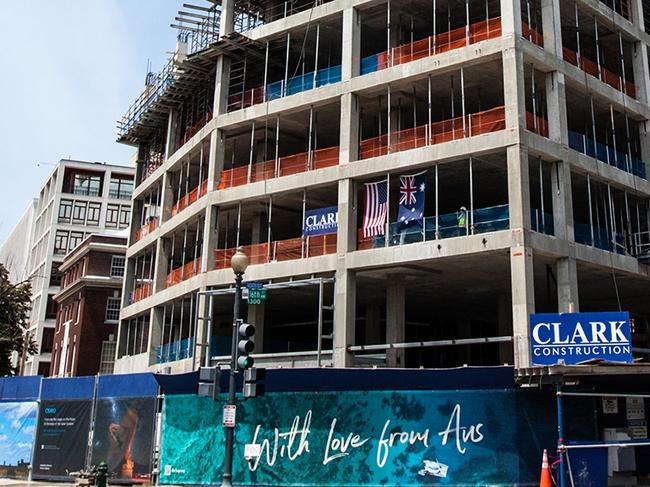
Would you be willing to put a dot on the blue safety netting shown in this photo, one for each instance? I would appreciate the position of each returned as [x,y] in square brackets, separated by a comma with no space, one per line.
[178,350]
[602,239]
[542,222]
[303,82]
[18,389]
[607,154]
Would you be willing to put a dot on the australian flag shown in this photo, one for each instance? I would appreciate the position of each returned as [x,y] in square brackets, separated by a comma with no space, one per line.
[411,200]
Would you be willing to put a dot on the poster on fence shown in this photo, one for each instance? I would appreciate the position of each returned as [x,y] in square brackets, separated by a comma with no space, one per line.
[123,437]
[17,426]
[361,438]
[61,439]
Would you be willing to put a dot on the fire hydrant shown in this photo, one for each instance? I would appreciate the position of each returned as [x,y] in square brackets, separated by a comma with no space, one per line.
[101,475]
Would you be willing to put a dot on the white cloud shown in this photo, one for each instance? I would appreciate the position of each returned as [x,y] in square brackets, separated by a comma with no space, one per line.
[23,445]
[3,437]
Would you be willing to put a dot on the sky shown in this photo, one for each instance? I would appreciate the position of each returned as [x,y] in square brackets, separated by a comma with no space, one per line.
[70,69]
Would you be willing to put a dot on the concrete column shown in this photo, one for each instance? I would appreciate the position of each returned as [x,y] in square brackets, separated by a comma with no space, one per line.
[641,72]
[518,187]
[258,234]
[349,137]
[510,17]
[552,26]
[514,89]
[644,140]
[139,162]
[161,265]
[504,328]
[523,301]
[167,197]
[567,285]
[227,20]
[171,133]
[347,228]
[209,238]
[127,286]
[345,314]
[636,11]
[395,318]
[373,324]
[202,340]
[256,318]
[558,127]
[221,86]
[351,48]
[562,201]
[216,159]
[156,328]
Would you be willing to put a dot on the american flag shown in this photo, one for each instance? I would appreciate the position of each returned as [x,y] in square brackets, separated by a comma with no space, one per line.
[375,209]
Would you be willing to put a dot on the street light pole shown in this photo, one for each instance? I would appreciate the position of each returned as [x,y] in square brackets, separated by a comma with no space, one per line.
[239,263]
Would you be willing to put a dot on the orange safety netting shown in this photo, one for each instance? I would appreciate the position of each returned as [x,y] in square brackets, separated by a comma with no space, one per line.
[190,197]
[443,42]
[607,76]
[444,131]
[537,124]
[249,98]
[184,272]
[532,35]
[287,165]
[321,245]
[141,292]
[192,131]
[145,230]
[280,250]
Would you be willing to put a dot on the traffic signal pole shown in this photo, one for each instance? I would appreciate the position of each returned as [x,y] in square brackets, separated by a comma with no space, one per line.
[230,430]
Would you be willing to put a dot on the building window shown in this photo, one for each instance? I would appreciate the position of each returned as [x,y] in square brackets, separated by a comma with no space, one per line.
[44,369]
[112,215]
[51,309]
[47,341]
[87,185]
[56,275]
[107,357]
[61,242]
[120,188]
[65,211]
[94,209]
[113,310]
[75,239]
[117,266]
[79,212]
[125,216]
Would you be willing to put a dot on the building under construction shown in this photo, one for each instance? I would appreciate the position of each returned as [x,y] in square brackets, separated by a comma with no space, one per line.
[521,124]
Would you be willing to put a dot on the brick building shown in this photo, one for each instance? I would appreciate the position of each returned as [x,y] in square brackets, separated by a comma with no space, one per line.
[89,307]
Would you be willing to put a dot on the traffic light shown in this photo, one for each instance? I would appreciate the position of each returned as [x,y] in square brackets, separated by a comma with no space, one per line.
[245,346]
[254,382]
[209,379]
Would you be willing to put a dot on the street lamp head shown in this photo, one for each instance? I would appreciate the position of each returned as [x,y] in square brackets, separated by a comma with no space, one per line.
[239,261]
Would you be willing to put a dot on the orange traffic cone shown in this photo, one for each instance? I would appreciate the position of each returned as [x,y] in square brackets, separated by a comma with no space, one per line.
[545,478]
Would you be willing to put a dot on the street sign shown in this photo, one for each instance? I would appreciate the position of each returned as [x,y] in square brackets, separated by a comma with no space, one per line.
[254,285]
[229,414]
[256,296]
[252,450]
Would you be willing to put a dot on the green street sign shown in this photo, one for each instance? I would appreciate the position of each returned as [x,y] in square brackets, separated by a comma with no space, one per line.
[256,295]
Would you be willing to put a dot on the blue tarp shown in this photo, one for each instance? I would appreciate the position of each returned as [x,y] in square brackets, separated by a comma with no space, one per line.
[19,389]
[68,388]
[128,385]
[178,383]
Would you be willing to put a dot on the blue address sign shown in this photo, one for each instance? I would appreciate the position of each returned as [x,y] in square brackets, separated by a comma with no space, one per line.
[571,338]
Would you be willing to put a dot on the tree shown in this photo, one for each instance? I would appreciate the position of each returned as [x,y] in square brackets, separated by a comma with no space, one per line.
[14,312]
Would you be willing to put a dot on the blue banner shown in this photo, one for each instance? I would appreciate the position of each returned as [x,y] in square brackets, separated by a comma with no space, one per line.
[321,221]
[17,426]
[571,338]
[369,438]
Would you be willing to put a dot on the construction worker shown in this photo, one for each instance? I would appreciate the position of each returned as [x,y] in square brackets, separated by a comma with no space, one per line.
[462,220]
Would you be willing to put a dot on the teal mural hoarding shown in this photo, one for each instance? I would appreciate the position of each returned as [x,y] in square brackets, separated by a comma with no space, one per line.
[363,438]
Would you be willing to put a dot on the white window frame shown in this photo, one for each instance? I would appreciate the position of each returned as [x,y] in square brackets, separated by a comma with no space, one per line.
[113,266]
[116,301]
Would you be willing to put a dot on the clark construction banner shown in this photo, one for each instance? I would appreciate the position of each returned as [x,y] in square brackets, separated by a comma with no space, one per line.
[362,438]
